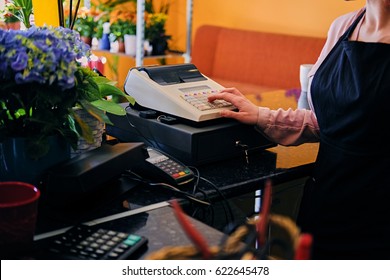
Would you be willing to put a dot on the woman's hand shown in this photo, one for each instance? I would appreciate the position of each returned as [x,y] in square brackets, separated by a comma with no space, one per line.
[247,111]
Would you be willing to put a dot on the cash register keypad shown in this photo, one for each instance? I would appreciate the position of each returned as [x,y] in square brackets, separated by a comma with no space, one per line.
[200,101]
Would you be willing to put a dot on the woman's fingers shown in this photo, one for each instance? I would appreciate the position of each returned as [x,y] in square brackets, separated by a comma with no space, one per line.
[227,94]
[247,111]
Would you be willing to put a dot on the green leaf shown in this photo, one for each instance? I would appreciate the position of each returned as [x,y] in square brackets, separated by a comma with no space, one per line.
[96,112]
[70,134]
[72,124]
[86,131]
[107,90]
[109,107]
[103,80]
[130,99]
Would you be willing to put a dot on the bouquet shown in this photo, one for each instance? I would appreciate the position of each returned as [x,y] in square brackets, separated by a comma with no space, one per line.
[42,82]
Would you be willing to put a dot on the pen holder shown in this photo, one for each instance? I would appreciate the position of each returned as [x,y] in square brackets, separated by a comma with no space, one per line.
[241,244]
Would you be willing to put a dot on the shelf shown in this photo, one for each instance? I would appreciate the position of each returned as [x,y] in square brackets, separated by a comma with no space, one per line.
[118,65]
[168,55]
[139,58]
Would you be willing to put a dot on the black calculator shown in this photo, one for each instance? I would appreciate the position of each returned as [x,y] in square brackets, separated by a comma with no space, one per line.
[92,243]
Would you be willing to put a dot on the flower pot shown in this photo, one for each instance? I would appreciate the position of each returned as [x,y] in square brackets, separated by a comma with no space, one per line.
[16,165]
[159,46]
[13,25]
[97,129]
[130,44]
[121,46]
[87,40]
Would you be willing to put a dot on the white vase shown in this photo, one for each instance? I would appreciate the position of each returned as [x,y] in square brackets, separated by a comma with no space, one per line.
[130,44]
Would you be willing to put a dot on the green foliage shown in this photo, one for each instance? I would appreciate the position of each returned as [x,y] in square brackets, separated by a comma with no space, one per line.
[92,91]
[122,27]
[109,5]
[163,9]
[155,26]
[86,26]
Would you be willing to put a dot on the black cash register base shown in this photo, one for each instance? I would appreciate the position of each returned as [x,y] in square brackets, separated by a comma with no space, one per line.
[191,145]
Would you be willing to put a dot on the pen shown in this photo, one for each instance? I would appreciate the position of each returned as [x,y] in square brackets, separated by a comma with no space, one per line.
[304,247]
[191,231]
[262,224]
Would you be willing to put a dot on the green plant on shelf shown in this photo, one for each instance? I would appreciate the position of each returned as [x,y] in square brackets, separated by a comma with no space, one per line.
[121,27]
[86,26]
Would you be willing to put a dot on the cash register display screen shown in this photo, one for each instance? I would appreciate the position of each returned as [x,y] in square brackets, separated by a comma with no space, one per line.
[195,89]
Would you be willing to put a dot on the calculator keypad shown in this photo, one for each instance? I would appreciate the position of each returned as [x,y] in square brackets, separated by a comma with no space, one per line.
[200,100]
[83,242]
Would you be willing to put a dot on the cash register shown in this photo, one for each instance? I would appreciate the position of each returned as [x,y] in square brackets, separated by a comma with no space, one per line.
[172,114]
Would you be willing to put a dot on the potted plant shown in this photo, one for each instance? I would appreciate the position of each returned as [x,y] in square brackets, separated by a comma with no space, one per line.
[42,83]
[18,11]
[86,25]
[156,34]
[122,23]
[120,29]
[155,31]
[11,22]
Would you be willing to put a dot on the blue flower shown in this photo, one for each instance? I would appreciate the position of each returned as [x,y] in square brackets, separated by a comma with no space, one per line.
[41,83]
[20,61]
[41,54]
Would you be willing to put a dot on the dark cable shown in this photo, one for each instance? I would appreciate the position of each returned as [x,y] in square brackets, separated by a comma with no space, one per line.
[137,177]
[153,143]
[197,176]
[225,202]
[209,209]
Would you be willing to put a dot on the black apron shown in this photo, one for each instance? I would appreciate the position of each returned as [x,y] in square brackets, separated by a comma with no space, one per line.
[346,203]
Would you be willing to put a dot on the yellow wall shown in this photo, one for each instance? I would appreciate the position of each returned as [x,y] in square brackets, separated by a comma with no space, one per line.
[46,12]
[302,17]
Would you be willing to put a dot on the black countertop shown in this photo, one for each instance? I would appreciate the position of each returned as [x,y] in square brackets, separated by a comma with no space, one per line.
[229,178]
[157,223]
[145,210]
[217,181]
